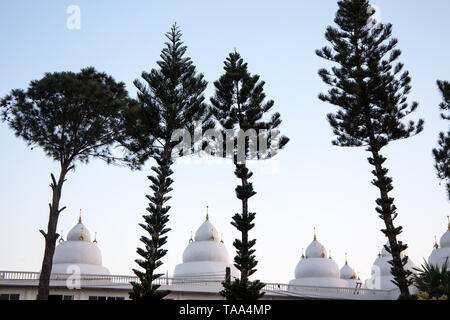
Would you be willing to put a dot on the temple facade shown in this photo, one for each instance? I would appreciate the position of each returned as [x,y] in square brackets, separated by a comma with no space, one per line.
[78,273]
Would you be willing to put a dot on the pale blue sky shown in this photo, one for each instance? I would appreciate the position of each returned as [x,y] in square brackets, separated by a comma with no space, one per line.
[316,184]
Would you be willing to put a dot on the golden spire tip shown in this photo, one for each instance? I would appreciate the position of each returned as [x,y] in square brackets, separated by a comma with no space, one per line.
[436,246]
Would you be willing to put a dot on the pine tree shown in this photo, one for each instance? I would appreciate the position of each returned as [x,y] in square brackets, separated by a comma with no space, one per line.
[371,93]
[73,117]
[171,98]
[239,104]
[442,153]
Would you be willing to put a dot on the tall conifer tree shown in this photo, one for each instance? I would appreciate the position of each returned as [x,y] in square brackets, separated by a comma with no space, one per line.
[239,104]
[442,152]
[371,91]
[171,98]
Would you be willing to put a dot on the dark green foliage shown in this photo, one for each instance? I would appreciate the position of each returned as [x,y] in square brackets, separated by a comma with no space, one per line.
[155,225]
[371,90]
[433,280]
[171,98]
[72,117]
[442,152]
[242,290]
[239,104]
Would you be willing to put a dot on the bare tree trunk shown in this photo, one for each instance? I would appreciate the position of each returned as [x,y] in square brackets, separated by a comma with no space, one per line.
[51,236]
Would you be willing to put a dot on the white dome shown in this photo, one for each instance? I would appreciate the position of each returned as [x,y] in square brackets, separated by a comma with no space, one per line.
[444,242]
[441,254]
[78,252]
[347,272]
[206,257]
[207,232]
[205,251]
[316,269]
[79,232]
[316,250]
[381,277]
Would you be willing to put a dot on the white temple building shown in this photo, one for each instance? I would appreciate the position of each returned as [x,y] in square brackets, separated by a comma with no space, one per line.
[78,273]
[206,256]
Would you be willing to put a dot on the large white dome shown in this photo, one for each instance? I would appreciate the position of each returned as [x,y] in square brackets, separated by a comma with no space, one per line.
[78,253]
[316,267]
[206,257]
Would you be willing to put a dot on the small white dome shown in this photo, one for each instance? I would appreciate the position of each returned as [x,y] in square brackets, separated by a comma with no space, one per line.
[316,250]
[347,272]
[79,233]
[207,232]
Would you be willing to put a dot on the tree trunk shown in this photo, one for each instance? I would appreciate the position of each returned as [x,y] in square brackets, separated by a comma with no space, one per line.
[387,212]
[51,236]
[244,232]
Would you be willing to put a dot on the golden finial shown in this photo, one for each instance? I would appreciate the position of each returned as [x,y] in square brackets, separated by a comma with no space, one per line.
[436,246]
[379,252]
[358,276]
[329,254]
[346,262]
[303,255]
[323,253]
[448,218]
[315,237]
[79,218]
[207,216]
[191,240]
[95,238]
[61,239]
[212,235]
[221,238]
